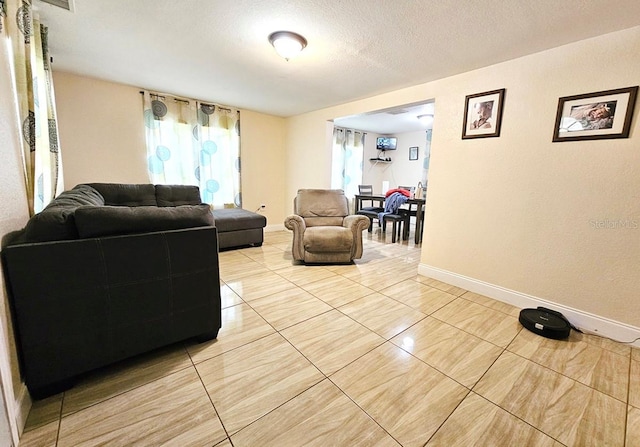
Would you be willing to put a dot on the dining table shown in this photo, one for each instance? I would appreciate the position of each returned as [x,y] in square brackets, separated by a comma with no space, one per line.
[419,204]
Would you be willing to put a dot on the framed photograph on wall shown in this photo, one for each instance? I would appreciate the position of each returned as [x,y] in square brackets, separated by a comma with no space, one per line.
[595,116]
[413,153]
[483,114]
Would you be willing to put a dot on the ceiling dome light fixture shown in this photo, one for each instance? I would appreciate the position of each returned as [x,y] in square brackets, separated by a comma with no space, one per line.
[287,44]
[427,118]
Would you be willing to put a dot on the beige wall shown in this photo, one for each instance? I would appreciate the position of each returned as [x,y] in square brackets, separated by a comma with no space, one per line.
[14,213]
[102,140]
[516,211]
[101,131]
[263,165]
[401,171]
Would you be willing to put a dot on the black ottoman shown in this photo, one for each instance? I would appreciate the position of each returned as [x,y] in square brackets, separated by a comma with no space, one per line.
[238,227]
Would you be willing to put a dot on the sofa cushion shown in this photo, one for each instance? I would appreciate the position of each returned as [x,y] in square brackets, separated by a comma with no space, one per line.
[56,222]
[235,219]
[113,220]
[126,194]
[175,195]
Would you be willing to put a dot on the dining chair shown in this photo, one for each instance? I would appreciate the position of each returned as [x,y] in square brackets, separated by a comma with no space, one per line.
[408,208]
[400,222]
[370,211]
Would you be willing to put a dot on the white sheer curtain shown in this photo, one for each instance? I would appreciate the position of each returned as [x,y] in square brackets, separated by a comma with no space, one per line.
[194,143]
[347,159]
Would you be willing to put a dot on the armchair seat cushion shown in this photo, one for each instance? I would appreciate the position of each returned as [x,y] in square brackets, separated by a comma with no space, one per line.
[328,239]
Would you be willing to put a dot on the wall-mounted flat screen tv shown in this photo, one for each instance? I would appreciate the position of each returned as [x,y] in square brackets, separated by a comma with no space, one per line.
[386,143]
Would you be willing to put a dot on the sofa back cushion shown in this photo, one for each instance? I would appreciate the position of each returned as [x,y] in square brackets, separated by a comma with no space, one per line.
[92,221]
[176,195]
[56,222]
[124,194]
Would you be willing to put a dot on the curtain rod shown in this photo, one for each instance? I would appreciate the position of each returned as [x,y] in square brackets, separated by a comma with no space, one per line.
[342,129]
[163,97]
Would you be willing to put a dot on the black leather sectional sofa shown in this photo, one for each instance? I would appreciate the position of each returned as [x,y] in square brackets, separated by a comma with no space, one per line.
[109,271]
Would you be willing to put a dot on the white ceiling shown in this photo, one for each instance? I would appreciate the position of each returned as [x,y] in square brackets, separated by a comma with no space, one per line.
[217,50]
[390,121]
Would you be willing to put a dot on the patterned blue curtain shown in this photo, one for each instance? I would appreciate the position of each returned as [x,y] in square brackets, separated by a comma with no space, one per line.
[427,158]
[347,160]
[194,143]
[36,102]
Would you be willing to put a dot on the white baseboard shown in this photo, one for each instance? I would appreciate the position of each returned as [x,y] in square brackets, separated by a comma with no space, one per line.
[22,407]
[586,322]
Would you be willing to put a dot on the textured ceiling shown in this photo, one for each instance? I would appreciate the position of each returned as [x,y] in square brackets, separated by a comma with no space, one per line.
[218,51]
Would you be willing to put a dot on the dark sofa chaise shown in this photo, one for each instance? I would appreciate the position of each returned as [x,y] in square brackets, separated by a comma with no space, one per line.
[109,271]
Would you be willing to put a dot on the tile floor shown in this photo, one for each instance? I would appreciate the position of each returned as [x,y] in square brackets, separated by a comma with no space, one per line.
[369,354]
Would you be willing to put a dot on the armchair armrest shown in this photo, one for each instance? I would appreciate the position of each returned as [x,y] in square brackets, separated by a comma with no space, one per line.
[357,224]
[296,224]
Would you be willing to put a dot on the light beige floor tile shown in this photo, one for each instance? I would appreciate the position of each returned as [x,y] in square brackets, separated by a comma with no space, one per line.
[596,367]
[305,274]
[385,316]
[258,253]
[408,398]
[337,290]
[381,279]
[494,327]
[603,342]
[459,355]
[453,290]
[244,370]
[397,260]
[633,427]
[259,285]
[240,325]
[492,304]
[107,382]
[229,257]
[248,382]
[174,410]
[478,423]
[424,298]
[344,269]
[228,297]
[320,417]
[42,436]
[634,384]
[276,259]
[356,272]
[563,408]
[43,412]
[332,340]
[292,306]
[240,267]
[278,237]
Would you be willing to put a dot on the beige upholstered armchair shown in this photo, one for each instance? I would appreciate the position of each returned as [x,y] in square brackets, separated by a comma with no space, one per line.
[323,230]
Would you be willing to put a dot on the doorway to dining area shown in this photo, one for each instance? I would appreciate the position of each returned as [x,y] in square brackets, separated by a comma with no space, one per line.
[365,157]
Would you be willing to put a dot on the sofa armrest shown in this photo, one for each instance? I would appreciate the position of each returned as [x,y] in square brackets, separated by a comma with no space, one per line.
[357,224]
[296,224]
